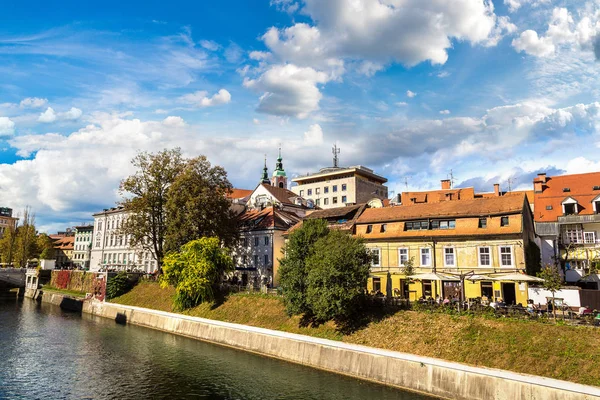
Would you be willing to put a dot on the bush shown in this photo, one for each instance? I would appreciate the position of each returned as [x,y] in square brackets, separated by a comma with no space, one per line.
[118,285]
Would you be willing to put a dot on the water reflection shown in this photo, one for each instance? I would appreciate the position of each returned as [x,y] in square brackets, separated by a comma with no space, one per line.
[49,353]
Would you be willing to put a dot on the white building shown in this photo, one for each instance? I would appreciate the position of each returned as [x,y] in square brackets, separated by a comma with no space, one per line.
[83,245]
[111,249]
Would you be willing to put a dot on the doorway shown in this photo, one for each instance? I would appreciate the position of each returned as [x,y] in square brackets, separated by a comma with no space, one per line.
[451,290]
[509,294]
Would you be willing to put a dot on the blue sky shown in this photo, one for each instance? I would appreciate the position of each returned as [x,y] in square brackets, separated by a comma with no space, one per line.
[490,90]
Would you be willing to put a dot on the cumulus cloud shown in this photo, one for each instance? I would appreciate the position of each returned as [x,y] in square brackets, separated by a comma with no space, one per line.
[410,94]
[288,90]
[314,135]
[174,121]
[47,116]
[514,5]
[33,102]
[201,98]
[51,116]
[563,32]
[7,127]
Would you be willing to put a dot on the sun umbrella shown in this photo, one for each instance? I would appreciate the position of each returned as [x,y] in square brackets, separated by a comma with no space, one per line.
[517,278]
[430,276]
[478,277]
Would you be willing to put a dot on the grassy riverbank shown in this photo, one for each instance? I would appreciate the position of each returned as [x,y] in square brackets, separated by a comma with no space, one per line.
[561,352]
[72,293]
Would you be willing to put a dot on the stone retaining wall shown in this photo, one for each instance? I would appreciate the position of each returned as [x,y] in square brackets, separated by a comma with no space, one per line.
[406,371]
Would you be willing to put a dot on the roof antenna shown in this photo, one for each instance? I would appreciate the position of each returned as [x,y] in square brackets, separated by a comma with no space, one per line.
[406,182]
[451,177]
[510,181]
[335,150]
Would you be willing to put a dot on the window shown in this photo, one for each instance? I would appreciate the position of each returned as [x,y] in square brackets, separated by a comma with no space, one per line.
[256,241]
[266,259]
[589,237]
[369,228]
[484,257]
[326,189]
[334,200]
[548,208]
[573,234]
[449,259]
[402,256]
[597,207]
[325,201]
[344,199]
[99,225]
[570,209]
[334,188]
[377,285]
[425,257]
[506,256]
[483,222]
[266,240]
[302,193]
[309,192]
[243,260]
[503,221]
[416,225]
[375,253]
[245,242]
[318,202]
[318,191]
[344,187]
[256,260]
[383,227]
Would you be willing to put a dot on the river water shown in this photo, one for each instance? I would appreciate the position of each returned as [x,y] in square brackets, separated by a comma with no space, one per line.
[47,353]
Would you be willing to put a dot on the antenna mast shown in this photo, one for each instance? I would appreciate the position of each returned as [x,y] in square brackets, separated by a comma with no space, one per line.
[451,177]
[335,150]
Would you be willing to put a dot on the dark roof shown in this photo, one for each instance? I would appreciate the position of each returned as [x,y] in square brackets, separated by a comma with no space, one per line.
[268,218]
[280,194]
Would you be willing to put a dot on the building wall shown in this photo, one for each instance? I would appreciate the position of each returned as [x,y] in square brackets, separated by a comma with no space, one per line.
[319,199]
[366,190]
[245,256]
[81,251]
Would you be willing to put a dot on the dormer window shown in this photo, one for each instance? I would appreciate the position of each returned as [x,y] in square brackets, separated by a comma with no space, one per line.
[570,206]
[369,228]
[596,204]
[565,190]
[596,187]
[383,227]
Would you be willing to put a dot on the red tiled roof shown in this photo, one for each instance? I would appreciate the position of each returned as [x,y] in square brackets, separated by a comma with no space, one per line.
[475,207]
[436,196]
[64,243]
[581,188]
[239,193]
[270,217]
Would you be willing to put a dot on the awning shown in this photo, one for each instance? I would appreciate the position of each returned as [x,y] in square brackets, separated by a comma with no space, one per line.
[581,253]
[591,278]
[434,277]
[478,277]
[517,278]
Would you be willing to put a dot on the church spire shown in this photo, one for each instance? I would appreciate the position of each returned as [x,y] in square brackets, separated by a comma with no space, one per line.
[265,175]
[279,178]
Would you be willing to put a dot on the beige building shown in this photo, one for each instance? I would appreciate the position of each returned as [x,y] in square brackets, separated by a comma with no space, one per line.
[83,245]
[338,187]
[6,220]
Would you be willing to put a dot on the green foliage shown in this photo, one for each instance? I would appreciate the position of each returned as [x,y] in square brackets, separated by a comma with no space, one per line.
[409,267]
[338,269]
[118,285]
[146,225]
[196,271]
[552,281]
[197,205]
[533,259]
[292,269]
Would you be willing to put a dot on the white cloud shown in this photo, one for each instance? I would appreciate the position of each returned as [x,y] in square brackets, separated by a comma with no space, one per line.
[530,43]
[47,116]
[233,53]
[33,102]
[445,112]
[7,127]
[51,116]
[580,165]
[255,121]
[401,103]
[514,5]
[409,32]
[201,99]
[160,111]
[410,94]
[288,90]
[289,6]
[443,74]
[174,121]
[314,135]
[210,45]
[73,114]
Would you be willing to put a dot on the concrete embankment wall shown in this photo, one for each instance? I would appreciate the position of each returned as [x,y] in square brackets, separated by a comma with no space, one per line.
[421,374]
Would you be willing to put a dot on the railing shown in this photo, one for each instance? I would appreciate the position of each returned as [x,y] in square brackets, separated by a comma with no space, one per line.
[581,241]
[578,219]
[546,228]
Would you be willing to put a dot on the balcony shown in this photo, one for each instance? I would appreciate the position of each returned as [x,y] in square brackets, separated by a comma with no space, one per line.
[578,219]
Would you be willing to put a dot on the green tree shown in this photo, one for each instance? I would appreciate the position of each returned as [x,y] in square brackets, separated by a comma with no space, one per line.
[45,247]
[292,268]
[197,205]
[338,269]
[118,285]
[552,282]
[145,198]
[26,238]
[8,244]
[196,271]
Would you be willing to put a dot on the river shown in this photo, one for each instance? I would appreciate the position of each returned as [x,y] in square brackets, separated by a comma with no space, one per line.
[47,353]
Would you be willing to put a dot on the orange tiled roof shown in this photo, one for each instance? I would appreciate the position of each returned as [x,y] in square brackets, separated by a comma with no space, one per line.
[437,196]
[475,207]
[65,243]
[581,188]
[239,193]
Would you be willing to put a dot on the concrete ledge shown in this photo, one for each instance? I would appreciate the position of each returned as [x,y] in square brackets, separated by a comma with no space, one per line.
[422,374]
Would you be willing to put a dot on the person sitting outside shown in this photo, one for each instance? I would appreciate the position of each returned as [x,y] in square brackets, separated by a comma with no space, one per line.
[446,301]
[583,311]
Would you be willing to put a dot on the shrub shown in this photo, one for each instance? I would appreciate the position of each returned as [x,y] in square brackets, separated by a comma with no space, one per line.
[118,285]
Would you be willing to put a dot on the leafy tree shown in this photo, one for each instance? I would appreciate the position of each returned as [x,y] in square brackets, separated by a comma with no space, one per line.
[338,269]
[45,247]
[8,244]
[148,187]
[409,267]
[196,271]
[118,285]
[292,268]
[552,282]
[197,205]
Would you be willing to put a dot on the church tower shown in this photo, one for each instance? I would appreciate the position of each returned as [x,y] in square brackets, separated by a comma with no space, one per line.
[279,179]
[265,175]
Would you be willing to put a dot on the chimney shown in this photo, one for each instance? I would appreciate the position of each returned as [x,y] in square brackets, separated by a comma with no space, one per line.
[539,182]
[445,184]
[497,189]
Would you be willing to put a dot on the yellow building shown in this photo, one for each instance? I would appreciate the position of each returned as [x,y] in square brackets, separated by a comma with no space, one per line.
[487,237]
